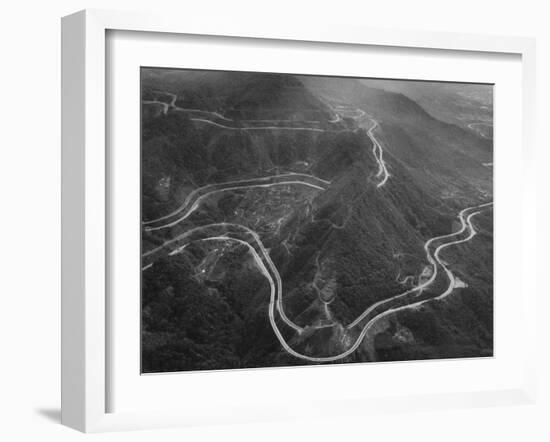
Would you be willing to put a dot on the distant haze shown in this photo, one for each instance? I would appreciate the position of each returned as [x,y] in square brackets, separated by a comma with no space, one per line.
[450,102]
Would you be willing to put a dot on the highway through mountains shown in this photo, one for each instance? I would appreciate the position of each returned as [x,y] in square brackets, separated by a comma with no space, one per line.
[358,115]
[273,300]
[234,232]
[452,280]
[409,299]
[356,330]
[432,254]
[194,199]
[225,124]
[378,153]
[353,113]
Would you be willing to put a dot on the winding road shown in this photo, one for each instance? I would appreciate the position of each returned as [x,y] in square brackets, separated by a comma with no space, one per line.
[356,114]
[377,150]
[378,153]
[246,236]
[166,107]
[194,199]
[464,217]
[236,232]
[229,232]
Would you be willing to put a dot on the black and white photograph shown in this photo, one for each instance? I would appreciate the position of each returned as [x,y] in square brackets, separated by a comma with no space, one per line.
[291,220]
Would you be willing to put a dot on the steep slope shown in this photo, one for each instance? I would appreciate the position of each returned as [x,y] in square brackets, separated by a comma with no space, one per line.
[446,159]
[338,249]
[450,102]
[178,155]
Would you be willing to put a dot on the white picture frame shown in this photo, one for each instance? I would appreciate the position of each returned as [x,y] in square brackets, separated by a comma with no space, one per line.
[85,349]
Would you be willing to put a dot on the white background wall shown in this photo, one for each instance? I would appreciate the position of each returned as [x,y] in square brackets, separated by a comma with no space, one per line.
[30,220]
